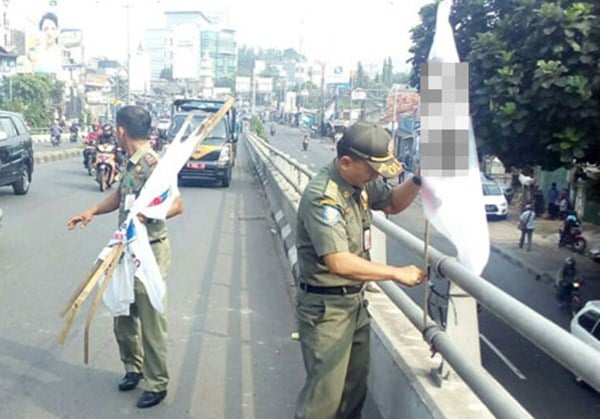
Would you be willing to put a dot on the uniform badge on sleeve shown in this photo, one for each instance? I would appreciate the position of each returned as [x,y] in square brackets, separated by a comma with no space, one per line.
[331,215]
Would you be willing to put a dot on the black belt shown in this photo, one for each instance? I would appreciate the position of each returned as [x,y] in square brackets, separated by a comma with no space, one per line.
[154,241]
[348,289]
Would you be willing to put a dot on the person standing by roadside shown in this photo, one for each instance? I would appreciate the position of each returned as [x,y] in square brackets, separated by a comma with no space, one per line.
[553,199]
[142,335]
[333,242]
[527,225]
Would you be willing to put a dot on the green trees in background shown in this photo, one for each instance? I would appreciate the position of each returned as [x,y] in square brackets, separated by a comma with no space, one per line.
[39,97]
[534,76]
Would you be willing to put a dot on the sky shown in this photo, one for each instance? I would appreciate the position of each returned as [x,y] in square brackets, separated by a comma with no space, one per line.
[335,31]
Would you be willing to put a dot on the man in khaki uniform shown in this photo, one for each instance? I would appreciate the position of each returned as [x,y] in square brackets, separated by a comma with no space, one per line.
[141,336]
[333,242]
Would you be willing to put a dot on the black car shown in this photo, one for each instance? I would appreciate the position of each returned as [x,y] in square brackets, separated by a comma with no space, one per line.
[16,153]
[214,158]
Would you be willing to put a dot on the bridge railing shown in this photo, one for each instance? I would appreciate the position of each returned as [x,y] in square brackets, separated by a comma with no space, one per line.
[566,349]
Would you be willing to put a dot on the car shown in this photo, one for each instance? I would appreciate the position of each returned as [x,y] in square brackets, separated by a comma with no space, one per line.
[214,158]
[585,325]
[494,199]
[162,125]
[16,153]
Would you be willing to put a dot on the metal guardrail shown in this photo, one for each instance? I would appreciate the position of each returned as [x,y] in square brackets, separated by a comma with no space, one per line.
[565,348]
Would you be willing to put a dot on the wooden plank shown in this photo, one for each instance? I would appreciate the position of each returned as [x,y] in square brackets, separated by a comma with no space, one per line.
[107,278]
[72,311]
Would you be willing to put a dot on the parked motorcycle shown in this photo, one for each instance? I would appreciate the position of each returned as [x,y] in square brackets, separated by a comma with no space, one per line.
[573,238]
[107,171]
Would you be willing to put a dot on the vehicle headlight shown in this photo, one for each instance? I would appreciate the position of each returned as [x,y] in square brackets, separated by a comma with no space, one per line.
[224,155]
[503,204]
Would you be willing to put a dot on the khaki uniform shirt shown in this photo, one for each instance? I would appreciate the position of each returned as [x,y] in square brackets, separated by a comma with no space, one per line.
[138,170]
[333,217]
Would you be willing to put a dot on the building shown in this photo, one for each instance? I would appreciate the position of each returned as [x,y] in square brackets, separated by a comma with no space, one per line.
[5,33]
[185,40]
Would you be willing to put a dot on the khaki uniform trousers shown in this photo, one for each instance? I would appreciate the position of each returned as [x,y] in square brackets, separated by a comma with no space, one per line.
[142,336]
[334,336]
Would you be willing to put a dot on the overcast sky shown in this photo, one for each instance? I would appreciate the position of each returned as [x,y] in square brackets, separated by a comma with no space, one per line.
[338,31]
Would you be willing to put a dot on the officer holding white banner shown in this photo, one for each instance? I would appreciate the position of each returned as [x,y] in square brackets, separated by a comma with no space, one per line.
[141,331]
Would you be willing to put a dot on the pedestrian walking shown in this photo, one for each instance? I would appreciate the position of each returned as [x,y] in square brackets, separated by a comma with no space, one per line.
[141,335]
[526,225]
[333,242]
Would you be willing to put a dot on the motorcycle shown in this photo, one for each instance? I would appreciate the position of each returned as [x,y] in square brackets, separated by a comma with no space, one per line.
[567,294]
[55,139]
[89,156]
[572,238]
[595,254]
[107,171]
[156,142]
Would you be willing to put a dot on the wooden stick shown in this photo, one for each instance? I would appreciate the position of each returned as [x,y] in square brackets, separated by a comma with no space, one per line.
[97,298]
[74,308]
[80,289]
[426,264]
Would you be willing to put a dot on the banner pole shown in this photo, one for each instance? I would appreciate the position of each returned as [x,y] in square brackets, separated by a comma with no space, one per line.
[427,270]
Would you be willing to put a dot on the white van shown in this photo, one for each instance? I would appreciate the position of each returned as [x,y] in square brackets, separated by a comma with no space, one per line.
[586,325]
[494,199]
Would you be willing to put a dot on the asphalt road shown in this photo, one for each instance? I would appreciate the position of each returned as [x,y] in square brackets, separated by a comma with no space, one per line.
[228,306]
[539,383]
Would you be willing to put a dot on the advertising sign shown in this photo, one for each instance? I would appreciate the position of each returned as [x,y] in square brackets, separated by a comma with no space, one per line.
[186,52]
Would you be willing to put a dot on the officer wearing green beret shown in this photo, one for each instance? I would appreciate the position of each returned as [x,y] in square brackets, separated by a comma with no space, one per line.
[141,336]
[333,242]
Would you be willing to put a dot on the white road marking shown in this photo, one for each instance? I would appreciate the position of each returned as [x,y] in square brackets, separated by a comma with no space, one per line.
[503,357]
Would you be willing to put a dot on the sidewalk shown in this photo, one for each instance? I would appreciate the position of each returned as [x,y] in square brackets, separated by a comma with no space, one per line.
[545,257]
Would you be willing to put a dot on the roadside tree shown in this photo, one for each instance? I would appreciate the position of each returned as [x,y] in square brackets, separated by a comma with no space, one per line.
[534,77]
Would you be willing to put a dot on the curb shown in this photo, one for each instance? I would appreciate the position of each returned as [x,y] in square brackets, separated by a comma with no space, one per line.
[52,156]
[539,275]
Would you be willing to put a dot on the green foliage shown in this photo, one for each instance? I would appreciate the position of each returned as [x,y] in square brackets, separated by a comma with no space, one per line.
[36,96]
[360,78]
[257,127]
[534,76]
[166,73]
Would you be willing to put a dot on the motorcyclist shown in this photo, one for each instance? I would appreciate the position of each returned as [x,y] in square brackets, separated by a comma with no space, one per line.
[305,143]
[564,279]
[55,132]
[74,130]
[107,137]
[570,224]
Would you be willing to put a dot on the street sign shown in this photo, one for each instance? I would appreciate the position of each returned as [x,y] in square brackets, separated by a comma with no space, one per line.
[358,94]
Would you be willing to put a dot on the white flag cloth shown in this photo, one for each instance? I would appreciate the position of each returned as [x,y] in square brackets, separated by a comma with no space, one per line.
[138,261]
[454,204]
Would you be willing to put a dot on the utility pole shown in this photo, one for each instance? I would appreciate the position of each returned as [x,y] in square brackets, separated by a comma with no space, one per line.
[128,5]
[322,124]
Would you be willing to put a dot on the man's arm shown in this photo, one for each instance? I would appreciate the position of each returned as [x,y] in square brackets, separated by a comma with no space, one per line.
[402,196]
[176,207]
[354,267]
[109,204]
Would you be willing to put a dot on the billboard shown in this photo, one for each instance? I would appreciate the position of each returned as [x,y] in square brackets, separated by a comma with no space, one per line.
[48,47]
[243,84]
[337,75]
[186,52]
